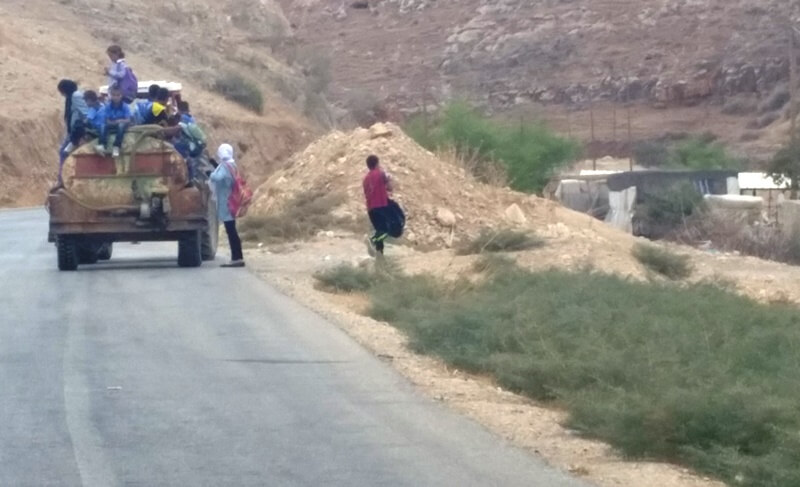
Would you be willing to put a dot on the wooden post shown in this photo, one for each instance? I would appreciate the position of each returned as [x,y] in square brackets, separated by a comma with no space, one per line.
[425,119]
[591,122]
[630,137]
[569,124]
[793,108]
[614,120]
[792,86]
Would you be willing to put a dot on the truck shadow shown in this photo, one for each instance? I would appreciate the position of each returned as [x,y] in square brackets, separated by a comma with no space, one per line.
[137,264]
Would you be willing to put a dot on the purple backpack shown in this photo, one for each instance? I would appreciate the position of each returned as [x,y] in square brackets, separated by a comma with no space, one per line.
[129,85]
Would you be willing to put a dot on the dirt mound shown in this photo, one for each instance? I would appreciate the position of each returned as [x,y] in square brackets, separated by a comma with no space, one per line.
[443,202]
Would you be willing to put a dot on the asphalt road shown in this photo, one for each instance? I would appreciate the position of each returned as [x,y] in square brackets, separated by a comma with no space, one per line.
[138,373]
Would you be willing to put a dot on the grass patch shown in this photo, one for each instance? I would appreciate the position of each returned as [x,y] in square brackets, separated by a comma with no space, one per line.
[303,217]
[695,375]
[348,278]
[491,263]
[240,90]
[530,152]
[662,261]
[503,240]
[345,278]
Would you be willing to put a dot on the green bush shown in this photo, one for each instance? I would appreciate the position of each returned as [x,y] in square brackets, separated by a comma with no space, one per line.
[652,153]
[701,154]
[695,375]
[693,153]
[502,240]
[530,151]
[784,165]
[240,90]
[345,278]
[662,261]
[665,210]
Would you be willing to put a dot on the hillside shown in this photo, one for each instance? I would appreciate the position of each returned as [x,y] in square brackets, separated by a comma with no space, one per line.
[516,54]
[53,40]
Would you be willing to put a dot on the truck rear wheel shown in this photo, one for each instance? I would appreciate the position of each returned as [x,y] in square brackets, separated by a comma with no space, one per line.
[67,249]
[105,251]
[209,239]
[189,254]
[87,254]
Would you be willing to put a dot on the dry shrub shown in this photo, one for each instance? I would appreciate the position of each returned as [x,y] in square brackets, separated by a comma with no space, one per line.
[302,218]
[740,106]
[488,172]
[776,100]
[765,241]
[240,90]
[502,240]
[750,136]
[663,261]
[367,109]
[764,121]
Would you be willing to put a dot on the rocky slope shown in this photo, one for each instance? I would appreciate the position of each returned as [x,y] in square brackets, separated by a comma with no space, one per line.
[513,51]
[548,58]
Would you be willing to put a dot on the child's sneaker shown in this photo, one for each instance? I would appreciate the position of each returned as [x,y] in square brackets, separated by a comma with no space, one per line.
[115,152]
[69,148]
[371,250]
[100,149]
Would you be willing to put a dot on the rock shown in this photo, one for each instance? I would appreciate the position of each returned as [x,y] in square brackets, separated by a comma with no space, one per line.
[380,130]
[445,217]
[515,215]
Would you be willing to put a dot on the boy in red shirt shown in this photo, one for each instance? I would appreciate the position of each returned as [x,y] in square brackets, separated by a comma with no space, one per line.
[377,187]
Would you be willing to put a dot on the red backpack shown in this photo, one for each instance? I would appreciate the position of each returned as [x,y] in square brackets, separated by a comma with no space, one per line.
[241,195]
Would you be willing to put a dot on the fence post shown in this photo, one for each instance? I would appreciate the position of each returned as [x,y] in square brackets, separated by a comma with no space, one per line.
[591,122]
[792,87]
[630,137]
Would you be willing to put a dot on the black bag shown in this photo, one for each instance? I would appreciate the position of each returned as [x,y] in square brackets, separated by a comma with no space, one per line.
[397,219]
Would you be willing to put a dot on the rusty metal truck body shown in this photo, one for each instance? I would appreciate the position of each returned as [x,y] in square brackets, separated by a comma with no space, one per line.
[142,196]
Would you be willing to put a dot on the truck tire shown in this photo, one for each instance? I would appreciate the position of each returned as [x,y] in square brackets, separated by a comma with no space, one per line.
[209,239]
[87,254]
[105,251]
[67,249]
[189,254]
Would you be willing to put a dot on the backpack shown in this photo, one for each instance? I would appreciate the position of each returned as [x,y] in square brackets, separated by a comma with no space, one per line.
[129,84]
[397,219]
[196,138]
[241,195]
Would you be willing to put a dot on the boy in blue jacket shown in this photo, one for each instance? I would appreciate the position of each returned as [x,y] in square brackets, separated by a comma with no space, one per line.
[117,118]
[95,115]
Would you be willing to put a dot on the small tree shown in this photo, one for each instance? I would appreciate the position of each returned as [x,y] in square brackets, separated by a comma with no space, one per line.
[786,164]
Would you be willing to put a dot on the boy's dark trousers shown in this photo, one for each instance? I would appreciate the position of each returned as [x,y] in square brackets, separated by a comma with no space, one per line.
[380,222]
[119,134]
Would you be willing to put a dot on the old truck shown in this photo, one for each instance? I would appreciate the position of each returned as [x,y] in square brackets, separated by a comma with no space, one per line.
[142,196]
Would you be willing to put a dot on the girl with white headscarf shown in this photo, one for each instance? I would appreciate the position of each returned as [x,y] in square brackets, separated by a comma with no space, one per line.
[223,178]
